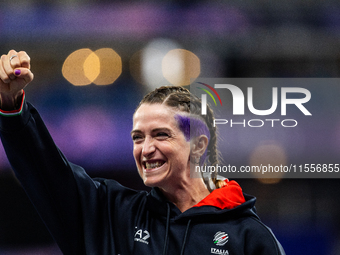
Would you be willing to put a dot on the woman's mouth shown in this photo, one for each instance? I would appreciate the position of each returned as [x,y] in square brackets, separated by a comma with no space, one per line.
[149,165]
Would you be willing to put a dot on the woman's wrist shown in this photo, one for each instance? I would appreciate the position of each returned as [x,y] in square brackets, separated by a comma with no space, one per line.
[10,102]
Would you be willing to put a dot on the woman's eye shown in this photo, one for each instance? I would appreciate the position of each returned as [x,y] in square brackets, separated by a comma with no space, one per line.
[162,134]
[136,137]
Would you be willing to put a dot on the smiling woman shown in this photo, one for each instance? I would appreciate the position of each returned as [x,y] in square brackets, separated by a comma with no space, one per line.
[161,151]
[99,216]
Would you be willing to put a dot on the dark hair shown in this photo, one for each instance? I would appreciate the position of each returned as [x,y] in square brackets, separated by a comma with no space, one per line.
[181,99]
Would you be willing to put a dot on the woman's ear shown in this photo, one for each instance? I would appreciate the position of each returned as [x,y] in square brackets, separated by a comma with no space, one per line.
[199,146]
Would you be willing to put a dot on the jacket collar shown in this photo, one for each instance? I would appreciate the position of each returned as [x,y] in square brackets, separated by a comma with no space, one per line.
[227,197]
[226,200]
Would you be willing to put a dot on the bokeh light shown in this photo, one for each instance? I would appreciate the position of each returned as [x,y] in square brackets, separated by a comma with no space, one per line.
[151,62]
[73,67]
[179,66]
[163,62]
[83,67]
[110,66]
[91,66]
[268,153]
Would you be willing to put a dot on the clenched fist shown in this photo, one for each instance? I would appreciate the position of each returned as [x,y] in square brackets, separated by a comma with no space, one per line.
[15,74]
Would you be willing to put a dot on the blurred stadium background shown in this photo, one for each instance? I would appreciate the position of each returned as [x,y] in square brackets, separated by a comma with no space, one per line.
[94,60]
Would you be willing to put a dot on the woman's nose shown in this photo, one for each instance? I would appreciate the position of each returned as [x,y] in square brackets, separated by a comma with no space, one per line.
[148,147]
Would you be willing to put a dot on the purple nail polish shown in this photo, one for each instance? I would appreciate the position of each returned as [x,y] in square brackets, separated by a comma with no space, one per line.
[17,72]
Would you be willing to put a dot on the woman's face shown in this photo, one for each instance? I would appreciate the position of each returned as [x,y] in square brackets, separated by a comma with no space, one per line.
[160,149]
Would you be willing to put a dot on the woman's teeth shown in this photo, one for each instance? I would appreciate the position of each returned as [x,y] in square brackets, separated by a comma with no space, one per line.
[153,165]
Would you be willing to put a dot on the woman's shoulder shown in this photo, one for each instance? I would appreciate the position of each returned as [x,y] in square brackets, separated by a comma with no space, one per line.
[260,235]
[112,185]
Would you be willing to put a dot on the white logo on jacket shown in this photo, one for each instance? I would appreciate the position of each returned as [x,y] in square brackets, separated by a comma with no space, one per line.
[220,239]
[219,251]
[142,236]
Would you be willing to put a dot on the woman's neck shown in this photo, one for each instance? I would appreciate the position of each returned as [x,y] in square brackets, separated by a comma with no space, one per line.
[186,196]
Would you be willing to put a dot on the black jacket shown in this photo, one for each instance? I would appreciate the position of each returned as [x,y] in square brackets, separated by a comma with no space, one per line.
[99,216]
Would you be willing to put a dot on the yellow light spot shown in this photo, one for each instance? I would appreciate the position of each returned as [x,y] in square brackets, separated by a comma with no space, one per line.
[83,67]
[268,154]
[180,67]
[73,67]
[110,66]
[92,66]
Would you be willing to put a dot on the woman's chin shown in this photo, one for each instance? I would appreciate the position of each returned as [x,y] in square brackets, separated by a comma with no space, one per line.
[152,181]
